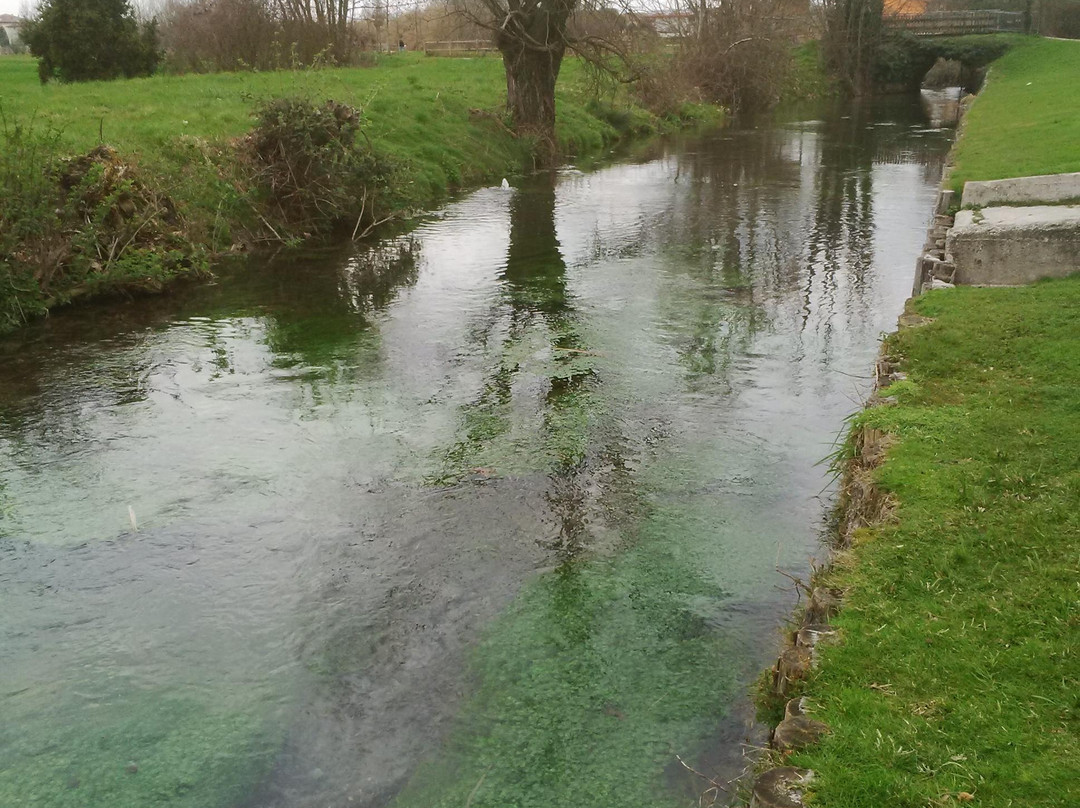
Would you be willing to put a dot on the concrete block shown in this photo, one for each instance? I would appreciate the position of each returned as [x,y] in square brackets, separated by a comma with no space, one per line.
[1012,246]
[944,201]
[939,268]
[1048,188]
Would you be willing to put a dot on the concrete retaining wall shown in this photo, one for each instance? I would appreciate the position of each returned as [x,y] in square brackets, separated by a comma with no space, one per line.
[1009,246]
[1044,189]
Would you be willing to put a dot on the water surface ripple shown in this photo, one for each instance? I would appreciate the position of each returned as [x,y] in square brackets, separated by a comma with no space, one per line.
[488,513]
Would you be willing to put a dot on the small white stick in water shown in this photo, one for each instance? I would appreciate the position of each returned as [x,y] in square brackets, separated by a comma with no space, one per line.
[131,516]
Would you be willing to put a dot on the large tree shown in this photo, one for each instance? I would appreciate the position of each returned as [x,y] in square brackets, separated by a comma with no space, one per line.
[86,40]
[531,35]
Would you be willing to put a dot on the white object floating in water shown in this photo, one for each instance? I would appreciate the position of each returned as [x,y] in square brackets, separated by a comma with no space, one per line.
[505,185]
[131,516]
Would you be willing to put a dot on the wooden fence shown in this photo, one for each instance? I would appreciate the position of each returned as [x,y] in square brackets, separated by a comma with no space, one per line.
[951,23]
[465,47]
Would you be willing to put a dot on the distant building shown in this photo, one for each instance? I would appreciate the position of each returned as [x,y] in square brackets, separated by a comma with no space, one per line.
[905,8]
[11,25]
[786,18]
[672,24]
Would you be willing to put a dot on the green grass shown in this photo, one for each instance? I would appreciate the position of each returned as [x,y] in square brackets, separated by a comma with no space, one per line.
[436,121]
[808,79]
[958,668]
[1027,119]
[416,109]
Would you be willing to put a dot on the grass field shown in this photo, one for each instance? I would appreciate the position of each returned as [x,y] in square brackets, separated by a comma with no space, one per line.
[437,124]
[1027,119]
[957,673]
[416,109]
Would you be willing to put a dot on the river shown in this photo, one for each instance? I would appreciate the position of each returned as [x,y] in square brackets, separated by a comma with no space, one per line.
[492,512]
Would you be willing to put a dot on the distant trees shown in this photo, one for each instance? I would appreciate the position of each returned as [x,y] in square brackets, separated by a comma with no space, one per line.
[210,35]
[85,40]
[1059,18]
[737,52]
[222,35]
[853,31]
[732,52]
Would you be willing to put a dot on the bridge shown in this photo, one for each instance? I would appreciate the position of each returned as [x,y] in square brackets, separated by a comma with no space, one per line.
[463,47]
[954,23]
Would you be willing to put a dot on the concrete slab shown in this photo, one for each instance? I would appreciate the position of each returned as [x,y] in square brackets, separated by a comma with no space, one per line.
[1045,189]
[1009,246]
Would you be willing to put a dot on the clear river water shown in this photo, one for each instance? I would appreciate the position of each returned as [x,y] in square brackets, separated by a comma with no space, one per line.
[489,513]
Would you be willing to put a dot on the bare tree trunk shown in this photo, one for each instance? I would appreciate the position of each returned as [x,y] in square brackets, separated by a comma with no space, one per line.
[530,90]
[532,38]
[853,33]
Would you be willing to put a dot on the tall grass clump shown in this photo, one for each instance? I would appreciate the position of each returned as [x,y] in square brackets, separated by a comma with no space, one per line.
[27,200]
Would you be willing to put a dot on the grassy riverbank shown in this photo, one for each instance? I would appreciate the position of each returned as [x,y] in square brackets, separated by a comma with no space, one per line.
[808,80]
[955,679]
[416,109]
[957,671]
[1027,119]
[435,125]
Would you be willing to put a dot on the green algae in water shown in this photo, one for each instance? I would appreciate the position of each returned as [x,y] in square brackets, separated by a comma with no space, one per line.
[589,686]
[500,440]
[146,752]
[607,668]
[542,349]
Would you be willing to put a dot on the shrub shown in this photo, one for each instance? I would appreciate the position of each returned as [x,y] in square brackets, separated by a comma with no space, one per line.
[852,38]
[738,56]
[28,198]
[310,167]
[225,35]
[77,226]
[87,40]
[201,36]
[1060,18]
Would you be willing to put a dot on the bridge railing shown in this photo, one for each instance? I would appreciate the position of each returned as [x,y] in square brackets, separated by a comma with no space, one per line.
[460,47]
[948,23]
